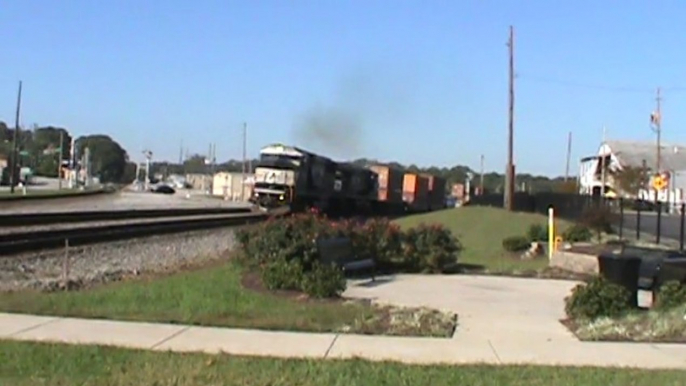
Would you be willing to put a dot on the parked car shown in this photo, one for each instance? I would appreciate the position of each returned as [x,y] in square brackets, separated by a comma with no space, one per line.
[164,189]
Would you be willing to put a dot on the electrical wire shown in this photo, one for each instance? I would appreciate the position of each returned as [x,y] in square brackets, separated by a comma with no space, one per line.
[624,89]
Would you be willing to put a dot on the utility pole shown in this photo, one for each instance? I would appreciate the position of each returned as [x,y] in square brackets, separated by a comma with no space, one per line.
[245,134]
[569,154]
[481,176]
[656,120]
[603,167]
[509,173]
[13,170]
[658,129]
[59,162]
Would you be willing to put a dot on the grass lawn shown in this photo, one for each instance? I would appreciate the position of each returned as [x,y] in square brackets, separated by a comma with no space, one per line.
[24,364]
[482,230]
[214,296]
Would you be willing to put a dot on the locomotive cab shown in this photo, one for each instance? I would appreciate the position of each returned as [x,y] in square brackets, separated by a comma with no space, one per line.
[276,175]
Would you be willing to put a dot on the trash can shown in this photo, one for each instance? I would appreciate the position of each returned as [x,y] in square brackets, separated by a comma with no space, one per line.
[621,270]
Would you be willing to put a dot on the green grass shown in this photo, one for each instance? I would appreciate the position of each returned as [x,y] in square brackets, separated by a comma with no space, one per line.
[24,364]
[481,231]
[215,297]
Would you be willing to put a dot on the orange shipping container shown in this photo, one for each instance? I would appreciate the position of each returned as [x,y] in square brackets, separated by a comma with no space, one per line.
[390,183]
[416,191]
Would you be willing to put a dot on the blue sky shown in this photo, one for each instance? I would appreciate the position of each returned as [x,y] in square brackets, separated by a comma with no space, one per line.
[418,82]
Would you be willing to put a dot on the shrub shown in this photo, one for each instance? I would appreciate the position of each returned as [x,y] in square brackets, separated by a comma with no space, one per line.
[282,274]
[537,232]
[378,239]
[323,281]
[671,294]
[430,248]
[516,244]
[597,298]
[577,233]
[598,218]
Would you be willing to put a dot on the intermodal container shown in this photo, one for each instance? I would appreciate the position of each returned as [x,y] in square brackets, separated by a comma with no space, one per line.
[416,191]
[437,193]
[390,183]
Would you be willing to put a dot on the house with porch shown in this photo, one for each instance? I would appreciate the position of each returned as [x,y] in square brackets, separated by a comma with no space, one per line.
[616,155]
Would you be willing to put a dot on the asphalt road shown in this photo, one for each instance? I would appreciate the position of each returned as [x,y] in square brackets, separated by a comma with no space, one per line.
[670,225]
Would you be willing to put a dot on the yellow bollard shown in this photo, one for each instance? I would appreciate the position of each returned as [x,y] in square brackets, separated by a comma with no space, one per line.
[551,232]
[558,241]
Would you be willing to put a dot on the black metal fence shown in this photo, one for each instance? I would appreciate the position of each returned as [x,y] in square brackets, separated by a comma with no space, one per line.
[659,223]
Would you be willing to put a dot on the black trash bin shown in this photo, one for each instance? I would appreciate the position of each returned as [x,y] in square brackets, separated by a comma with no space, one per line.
[621,270]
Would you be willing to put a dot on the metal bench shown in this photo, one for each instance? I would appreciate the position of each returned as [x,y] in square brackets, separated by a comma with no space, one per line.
[339,251]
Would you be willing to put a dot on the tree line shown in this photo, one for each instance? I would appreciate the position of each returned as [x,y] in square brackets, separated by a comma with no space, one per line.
[40,149]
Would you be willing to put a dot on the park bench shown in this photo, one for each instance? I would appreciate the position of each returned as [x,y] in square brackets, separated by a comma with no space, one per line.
[339,251]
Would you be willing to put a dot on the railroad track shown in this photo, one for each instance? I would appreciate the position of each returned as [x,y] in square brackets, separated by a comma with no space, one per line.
[31,241]
[46,218]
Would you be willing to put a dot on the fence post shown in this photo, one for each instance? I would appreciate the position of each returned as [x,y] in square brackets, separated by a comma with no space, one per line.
[681,227]
[638,221]
[621,217]
[659,222]
[551,232]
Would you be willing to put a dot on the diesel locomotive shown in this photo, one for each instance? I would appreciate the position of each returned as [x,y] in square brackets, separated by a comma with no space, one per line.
[300,179]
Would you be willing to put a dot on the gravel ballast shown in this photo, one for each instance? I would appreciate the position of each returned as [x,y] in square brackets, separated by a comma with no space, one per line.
[101,263]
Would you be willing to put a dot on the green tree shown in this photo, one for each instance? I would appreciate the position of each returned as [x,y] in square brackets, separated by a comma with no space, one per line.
[44,149]
[108,158]
[630,179]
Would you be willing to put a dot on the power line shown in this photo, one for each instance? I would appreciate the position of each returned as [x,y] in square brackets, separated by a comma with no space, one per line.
[568,83]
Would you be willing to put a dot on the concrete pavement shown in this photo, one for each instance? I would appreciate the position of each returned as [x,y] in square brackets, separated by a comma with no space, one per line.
[501,321]
[464,348]
[670,226]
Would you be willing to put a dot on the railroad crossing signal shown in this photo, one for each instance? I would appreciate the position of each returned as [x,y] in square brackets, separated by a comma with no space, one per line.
[661,181]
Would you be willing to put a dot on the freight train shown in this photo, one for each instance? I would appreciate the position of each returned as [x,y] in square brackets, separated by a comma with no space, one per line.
[302,180]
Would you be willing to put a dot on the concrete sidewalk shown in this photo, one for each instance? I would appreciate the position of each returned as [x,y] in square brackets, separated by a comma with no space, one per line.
[465,347]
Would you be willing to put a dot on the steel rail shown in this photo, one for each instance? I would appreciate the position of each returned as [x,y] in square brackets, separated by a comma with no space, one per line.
[51,239]
[45,218]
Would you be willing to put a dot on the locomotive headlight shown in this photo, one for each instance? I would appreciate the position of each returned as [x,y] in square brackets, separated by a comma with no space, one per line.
[281,197]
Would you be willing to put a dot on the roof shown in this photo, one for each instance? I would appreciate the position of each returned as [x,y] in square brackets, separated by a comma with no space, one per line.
[633,153]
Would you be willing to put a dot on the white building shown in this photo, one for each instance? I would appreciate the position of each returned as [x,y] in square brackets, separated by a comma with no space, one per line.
[616,155]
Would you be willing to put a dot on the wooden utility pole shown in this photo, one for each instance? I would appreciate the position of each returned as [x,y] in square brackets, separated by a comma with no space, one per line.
[481,176]
[569,155]
[245,134]
[509,173]
[15,138]
[603,166]
[657,120]
[59,162]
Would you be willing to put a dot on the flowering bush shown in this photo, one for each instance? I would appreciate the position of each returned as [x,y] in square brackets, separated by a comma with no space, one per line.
[430,248]
[285,250]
